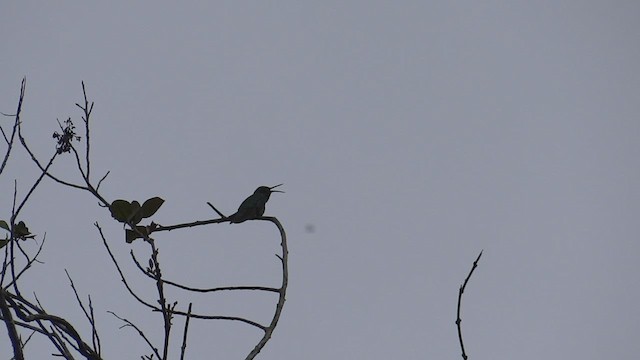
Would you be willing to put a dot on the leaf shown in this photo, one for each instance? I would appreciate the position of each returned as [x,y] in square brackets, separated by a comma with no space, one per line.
[151,206]
[21,230]
[126,212]
[4,225]
[120,210]
[3,242]
[131,235]
[136,215]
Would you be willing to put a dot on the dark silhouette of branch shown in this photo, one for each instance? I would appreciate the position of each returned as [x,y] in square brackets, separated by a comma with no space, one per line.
[216,210]
[62,325]
[165,308]
[268,331]
[191,224]
[11,327]
[216,317]
[200,290]
[30,260]
[88,314]
[16,125]
[122,277]
[183,349]
[86,108]
[224,288]
[459,320]
[140,332]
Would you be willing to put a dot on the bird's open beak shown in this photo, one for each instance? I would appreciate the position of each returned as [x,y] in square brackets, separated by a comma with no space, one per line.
[271,188]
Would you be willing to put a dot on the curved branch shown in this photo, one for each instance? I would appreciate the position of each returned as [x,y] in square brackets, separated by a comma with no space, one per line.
[283,289]
[223,288]
[459,320]
[200,290]
[216,317]
[124,280]
[60,323]
[11,327]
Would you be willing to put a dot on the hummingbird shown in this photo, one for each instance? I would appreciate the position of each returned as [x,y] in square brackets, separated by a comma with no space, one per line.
[253,206]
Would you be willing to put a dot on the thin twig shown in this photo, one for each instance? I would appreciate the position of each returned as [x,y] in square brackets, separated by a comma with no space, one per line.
[166,310]
[215,317]
[140,332]
[95,337]
[216,210]
[122,277]
[184,337]
[30,261]
[459,320]
[16,126]
[87,314]
[101,180]
[200,290]
[225,288]
[87,113]
[35,185]
[13,238]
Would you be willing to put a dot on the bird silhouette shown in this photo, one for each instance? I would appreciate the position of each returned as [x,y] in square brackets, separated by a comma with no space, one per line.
[253,206]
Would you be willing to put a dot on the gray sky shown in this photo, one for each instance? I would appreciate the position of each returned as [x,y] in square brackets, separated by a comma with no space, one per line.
[410,134]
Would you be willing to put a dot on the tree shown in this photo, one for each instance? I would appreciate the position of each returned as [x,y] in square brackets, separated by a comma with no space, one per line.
[24,316]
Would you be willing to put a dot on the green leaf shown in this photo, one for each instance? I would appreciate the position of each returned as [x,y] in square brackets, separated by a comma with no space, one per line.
[3,242]
[131,235]
[151,206]
[4,225]
[21,230]
[120,210]
[136,215]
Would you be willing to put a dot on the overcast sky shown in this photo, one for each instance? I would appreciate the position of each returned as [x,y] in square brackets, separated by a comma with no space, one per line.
[410,135]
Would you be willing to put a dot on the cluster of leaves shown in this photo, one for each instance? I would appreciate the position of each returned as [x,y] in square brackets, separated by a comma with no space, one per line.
[132,213]
[20,231]
[66,137]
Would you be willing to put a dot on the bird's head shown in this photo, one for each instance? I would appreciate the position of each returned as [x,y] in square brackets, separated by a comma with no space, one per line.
[266,190]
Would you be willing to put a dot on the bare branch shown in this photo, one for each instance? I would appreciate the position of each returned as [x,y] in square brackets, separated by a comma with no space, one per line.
[11,327]
[166,310]
[101,180]
[216,210]
[214,317]
[30,261]
[191,224]
[88,314]
[225,288]
[122,277]
[16,126]
[200,290]
[283,289]
[61,324]
[459,320]
[87,114]
[184,337]
[140,332]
